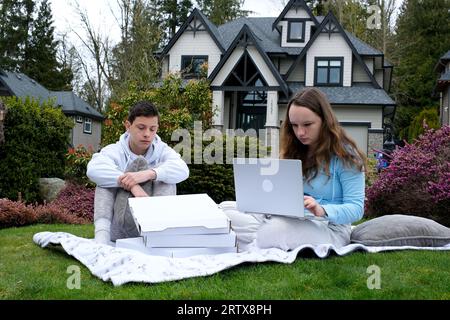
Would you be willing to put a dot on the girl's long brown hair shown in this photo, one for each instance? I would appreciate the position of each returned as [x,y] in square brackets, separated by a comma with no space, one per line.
[332,137]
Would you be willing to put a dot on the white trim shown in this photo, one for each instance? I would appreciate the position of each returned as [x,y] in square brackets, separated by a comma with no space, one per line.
[228,67]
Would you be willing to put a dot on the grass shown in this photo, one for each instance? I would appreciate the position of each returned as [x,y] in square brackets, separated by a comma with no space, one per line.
[30,272]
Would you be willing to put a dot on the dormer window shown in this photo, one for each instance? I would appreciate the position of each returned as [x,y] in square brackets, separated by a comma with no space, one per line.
[328,71]
[191,66]
[296,31]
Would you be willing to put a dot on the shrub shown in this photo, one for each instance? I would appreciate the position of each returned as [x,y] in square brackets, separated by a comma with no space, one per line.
[179,106]
[77,200]
[216,179]
[36,140]
[17,214]
[76,164]
[417,182]
[371,173]
[416,128]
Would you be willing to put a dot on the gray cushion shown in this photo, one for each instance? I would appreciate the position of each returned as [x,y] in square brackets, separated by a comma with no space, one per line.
[401,230]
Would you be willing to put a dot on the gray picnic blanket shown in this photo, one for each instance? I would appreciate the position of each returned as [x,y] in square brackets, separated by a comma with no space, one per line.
[121,266]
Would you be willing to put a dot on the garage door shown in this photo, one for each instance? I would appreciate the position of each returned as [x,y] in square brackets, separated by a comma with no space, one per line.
[359,133]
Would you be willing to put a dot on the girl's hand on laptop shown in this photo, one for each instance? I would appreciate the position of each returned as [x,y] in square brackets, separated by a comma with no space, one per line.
[312,205]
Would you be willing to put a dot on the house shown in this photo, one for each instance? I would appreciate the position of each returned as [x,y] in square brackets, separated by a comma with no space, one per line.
[256,64]
[87,120]
[443,87]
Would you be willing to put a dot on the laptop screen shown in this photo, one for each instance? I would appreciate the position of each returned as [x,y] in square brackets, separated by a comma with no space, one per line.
[269,186]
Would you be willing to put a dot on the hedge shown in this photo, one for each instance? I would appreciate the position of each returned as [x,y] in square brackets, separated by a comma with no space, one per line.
[36,140]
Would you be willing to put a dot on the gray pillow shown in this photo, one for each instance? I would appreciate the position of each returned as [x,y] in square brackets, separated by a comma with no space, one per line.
[401,230]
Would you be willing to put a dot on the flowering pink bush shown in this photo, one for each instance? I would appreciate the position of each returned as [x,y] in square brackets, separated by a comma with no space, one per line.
[417,182]
[77,200]
[17,214]
[74,205]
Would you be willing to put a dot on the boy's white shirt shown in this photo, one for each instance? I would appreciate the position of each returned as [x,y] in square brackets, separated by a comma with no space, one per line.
[107,165]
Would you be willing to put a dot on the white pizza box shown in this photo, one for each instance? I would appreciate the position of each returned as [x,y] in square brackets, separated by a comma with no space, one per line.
[137,244]
[191,240]
[180,214]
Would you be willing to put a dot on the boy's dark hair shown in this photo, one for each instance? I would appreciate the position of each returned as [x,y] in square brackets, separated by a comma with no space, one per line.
[143,109]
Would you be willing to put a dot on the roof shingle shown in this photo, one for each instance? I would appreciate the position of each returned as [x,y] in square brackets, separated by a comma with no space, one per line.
[362,95]
[22,86]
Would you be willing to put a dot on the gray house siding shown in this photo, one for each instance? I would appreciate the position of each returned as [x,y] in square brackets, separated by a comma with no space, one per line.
[80,137]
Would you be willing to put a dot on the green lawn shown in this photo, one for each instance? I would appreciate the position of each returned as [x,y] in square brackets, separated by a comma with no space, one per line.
[30,272]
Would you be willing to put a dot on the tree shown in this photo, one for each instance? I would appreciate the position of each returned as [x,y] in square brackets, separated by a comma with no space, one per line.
[422,37]
[15,23]
[27,43]
[382,36]
[40,61]
[98,76]
[222,11]
[174,13]
[351,14]
[318,7]
[133,61]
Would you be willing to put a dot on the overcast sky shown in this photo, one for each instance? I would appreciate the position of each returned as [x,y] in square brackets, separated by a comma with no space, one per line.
[101,16]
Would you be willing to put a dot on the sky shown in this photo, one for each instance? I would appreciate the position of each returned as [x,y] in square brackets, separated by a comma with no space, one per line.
[101,16]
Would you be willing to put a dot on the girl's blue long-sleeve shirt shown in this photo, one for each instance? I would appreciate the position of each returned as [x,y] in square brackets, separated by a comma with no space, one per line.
[341,194]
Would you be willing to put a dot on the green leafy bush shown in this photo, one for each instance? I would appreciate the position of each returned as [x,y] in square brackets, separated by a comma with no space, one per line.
[76,165]
[179,106]
[371,174]
[216,179]
[36,140]
[416,124]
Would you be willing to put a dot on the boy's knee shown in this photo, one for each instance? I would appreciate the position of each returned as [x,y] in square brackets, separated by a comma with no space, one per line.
[164,189]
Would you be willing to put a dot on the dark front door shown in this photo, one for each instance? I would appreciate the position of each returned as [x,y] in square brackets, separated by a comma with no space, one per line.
[251,110]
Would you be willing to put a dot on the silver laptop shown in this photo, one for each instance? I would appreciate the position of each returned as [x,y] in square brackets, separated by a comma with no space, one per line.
[269,186]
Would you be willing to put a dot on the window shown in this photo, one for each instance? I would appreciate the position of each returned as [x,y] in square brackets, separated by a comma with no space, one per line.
[191,65]
[79,119]
[87,125]
[328,71]
[296,31]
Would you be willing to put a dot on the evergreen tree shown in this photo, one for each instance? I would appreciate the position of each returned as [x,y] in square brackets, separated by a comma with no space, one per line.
[41,63]
[222,11]
[423,36]
[15,23]
[174,13]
